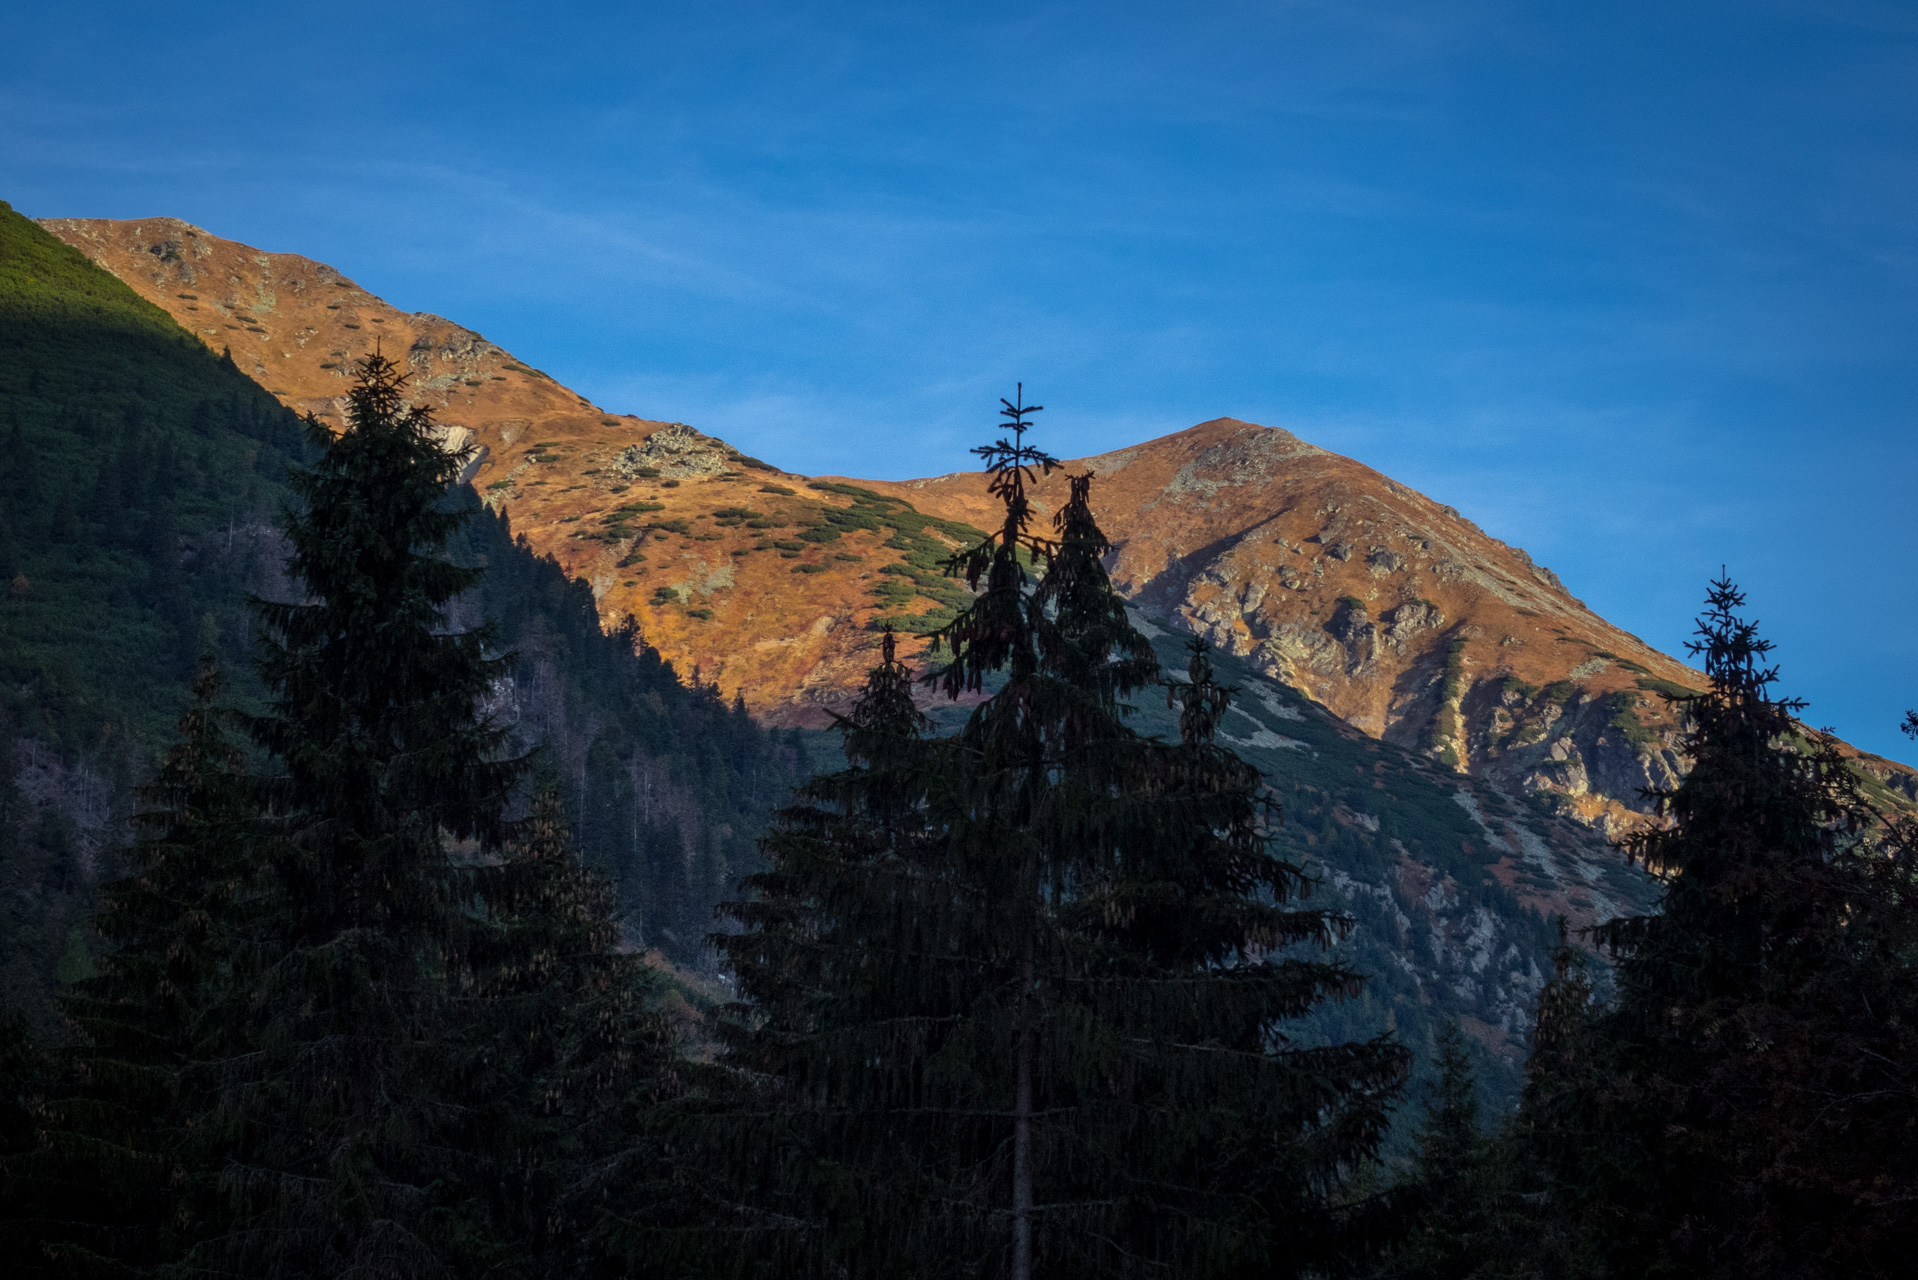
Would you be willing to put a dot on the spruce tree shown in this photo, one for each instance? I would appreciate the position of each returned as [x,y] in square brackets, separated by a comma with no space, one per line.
[346,1117]
[24,1195]
[836,938]
[351,1020]
[1025,988]
[112,1177]
[1452,1184]
[1747,1105]
[570,1058]
[1550,1152]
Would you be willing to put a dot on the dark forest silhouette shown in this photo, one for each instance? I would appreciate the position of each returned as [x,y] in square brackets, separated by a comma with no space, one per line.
[1011,1000]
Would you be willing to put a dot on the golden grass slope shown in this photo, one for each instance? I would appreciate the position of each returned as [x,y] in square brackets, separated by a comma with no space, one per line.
[676,528]
[1392,610]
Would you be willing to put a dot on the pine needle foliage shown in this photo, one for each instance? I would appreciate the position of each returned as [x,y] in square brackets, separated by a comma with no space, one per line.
[1452,1188]
[1021,992]
[566,1052]
[111,1174]
[345,1118]
[837,939]
[352,1020]
[1747,1105]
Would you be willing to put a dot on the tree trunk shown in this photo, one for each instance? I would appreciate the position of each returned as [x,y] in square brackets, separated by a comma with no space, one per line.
[1022,1137]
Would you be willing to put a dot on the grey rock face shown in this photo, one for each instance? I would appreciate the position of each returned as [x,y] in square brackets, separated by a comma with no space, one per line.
[1566,752]
[1356,632]
[1385,562]
[1407,620]
[678,453]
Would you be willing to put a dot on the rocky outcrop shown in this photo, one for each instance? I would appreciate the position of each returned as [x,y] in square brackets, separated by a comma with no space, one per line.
[1449,880]
[675,452]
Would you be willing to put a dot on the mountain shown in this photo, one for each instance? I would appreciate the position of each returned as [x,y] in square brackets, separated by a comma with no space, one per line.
[136,460]
[1451,881]
[137,514]
[1393,611]
[760,581]
[1453,736]
[1390,609]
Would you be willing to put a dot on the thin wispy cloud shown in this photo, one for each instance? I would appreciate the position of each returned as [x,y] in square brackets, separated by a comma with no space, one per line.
[1617,281]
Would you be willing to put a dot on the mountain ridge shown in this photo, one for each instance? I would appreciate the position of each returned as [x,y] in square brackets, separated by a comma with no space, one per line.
[1387,607]
[700,544]
[1451,790]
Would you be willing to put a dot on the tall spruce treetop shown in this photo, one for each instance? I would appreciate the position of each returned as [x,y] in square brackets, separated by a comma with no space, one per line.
[997,632]
[1754,808]
[171,922]
[1754,821]
[375,703]
[1747,1105]
[568,1061]
[1024,987]
[844,944]
[1449,1190]
[348,1116]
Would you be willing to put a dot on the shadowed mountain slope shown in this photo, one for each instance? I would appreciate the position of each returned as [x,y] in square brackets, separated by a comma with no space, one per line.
[733,569]
[1450,880]
[138,510]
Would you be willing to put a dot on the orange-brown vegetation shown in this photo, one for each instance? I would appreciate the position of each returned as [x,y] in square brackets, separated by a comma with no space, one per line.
[737,597]
[1392,610]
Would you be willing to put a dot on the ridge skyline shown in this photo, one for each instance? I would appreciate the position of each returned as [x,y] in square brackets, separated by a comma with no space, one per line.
[541,394]
[1458,740]
[1631,288]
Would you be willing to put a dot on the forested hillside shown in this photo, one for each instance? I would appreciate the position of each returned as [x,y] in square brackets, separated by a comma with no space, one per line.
[1041,983]
[138,438]
[138,510]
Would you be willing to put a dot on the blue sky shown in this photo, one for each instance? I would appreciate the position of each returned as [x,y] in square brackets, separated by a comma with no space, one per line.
[1630,284]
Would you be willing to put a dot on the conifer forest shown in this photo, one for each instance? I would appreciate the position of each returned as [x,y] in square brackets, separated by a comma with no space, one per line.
[455,934]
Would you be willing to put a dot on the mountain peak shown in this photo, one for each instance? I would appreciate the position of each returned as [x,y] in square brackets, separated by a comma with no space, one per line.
[1389,608]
